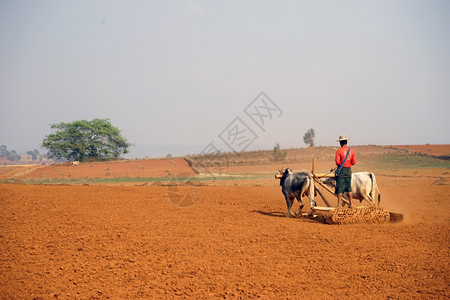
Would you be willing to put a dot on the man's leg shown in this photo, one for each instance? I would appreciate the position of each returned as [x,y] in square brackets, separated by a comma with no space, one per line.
[349,199]
[339,199]
[339,190]
[348,186]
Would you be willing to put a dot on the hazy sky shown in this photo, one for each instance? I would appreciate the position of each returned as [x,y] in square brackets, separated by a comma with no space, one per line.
[181,72]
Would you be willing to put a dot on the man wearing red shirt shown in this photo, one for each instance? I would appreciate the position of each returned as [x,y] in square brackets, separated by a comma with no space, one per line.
[344,178]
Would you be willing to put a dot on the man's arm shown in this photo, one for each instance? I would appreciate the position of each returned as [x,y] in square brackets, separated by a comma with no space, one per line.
[353,158]
[337,159]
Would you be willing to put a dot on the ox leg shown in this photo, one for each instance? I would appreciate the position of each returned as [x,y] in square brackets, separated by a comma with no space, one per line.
[369,199]
[300,201]
[372,201]
[289,202]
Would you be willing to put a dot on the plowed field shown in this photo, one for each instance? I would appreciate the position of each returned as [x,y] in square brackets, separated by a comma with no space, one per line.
[234,241]
[136,168]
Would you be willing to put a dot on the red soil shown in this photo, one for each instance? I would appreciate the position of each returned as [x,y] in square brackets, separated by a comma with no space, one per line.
[135,168]
[83,242]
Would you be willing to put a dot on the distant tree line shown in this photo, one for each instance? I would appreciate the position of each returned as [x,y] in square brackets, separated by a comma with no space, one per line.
[9,155]
[13,156]
[35,155]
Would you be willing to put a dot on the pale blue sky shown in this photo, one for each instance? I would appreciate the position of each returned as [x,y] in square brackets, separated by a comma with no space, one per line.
[179,72]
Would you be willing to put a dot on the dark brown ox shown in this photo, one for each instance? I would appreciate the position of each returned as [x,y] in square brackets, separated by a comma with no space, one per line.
[295,186]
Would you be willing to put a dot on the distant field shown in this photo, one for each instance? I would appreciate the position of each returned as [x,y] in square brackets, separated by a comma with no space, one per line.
[436,150]
[230,166]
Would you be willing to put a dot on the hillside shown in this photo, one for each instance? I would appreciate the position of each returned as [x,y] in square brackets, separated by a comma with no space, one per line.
[373,157]
[434,150]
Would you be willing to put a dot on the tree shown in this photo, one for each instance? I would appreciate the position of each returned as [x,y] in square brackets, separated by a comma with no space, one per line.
[34,154]
[277,153]
[80,140]
[4,151]
[309,136]
[9,155]
[30,153]
[13,156]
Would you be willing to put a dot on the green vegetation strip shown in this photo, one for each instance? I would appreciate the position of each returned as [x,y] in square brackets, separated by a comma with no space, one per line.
[50,181]
[407,162]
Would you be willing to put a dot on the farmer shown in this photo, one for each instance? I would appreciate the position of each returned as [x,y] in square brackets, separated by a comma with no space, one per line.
[345,159]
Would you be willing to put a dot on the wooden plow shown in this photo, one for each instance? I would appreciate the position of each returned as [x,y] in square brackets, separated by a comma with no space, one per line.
[330,214]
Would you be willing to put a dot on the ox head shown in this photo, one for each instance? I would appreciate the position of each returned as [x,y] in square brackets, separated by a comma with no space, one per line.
[329,181]
[283,174]
[279,174]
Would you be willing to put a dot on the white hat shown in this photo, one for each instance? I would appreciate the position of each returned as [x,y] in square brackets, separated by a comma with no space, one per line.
[342,138]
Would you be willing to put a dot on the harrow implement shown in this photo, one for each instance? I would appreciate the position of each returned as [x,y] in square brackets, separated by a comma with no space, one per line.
[372,215]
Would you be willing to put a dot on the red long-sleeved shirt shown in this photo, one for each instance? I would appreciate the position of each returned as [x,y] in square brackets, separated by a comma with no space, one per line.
[340,156]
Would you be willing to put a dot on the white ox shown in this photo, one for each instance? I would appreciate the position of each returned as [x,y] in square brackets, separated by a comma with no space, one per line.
[364,187]
[73,163]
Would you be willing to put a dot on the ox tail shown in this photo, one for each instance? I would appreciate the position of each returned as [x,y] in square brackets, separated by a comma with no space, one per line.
[375,188]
